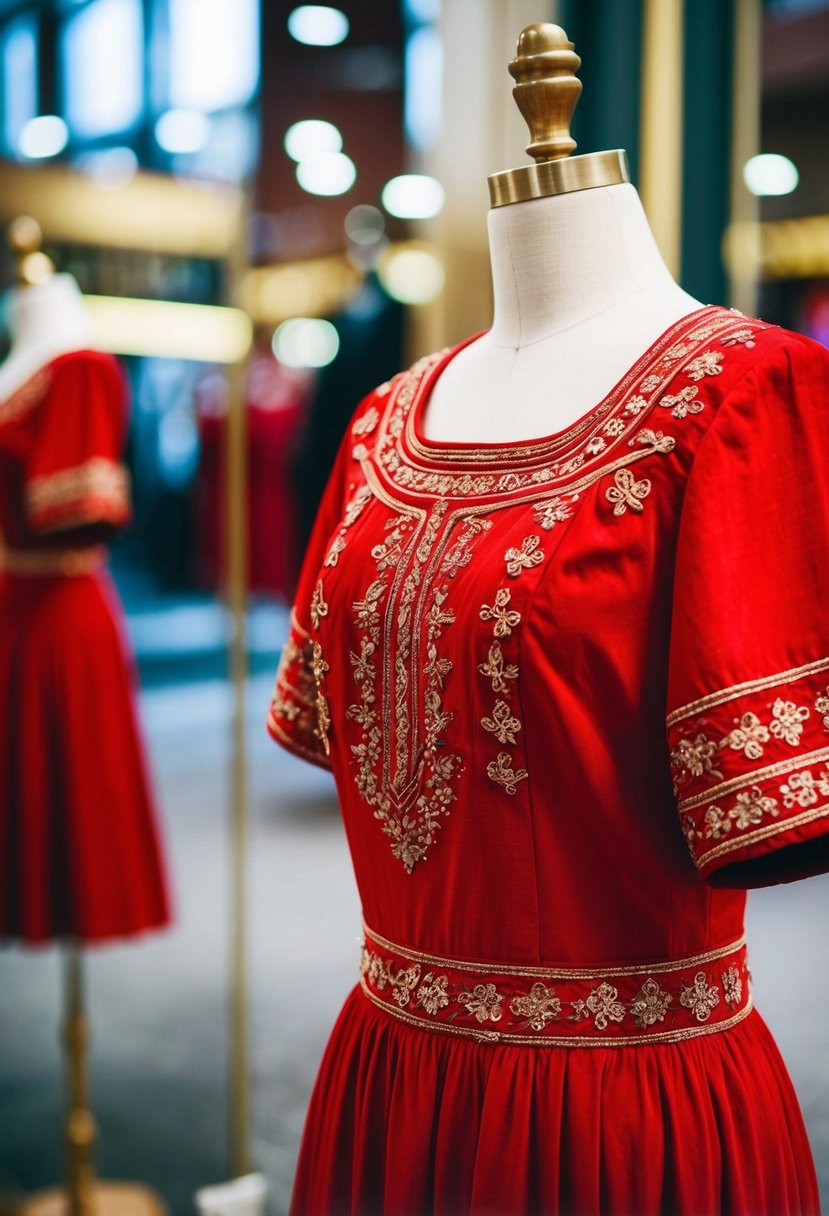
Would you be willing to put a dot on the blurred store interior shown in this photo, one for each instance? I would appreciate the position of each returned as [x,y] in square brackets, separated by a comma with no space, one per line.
[272,208]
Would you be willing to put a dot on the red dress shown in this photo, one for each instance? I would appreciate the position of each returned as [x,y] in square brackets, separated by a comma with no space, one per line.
[79,848]
[575,697]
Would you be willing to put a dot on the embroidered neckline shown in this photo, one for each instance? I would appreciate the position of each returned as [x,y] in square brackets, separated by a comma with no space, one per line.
[558,441]
[601,439]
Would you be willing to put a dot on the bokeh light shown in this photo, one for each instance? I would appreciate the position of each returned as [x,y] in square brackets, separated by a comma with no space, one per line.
[306,342]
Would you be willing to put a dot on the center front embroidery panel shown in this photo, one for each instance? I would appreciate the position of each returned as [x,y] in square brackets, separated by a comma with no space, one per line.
[430,576]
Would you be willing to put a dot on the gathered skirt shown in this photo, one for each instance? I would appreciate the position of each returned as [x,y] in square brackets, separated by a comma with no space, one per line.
[80,852]
[406,1122]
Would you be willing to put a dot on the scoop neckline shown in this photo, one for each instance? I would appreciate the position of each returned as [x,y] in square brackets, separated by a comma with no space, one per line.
[435,452]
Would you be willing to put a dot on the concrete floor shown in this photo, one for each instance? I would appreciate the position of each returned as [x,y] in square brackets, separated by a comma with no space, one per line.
[158,1006]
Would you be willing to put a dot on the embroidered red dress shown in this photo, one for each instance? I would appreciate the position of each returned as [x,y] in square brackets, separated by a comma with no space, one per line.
[575,696]
[80,854]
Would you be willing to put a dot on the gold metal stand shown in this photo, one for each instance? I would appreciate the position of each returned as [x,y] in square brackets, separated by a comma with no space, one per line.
[83,1194]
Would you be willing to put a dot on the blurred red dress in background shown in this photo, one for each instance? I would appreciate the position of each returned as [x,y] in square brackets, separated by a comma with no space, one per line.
[276,400]
[80,853]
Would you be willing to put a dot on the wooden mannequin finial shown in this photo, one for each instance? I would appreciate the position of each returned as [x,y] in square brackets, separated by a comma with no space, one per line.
[25,238]
[546,89]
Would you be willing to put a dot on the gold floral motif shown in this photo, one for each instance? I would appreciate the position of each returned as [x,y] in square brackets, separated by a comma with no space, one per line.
[388,553]
[504,617]
[717,823]
[751,806]
[739,335]
[650,383]
[596,445]
[627,492]
[655,440]
[637,403]
[683,403]
[381,974]
[603,1005]
[333,555]
[502,724]
[319,608]
[748,736]
[554,510]
[459,554]
[432,995]
[319,668]
[678,351]
[497,669]
[732,987]
[803,789]
[650,1004]
[822,707]
[615,427]
[356,504]
[709,363]
[484,1002]
[525,558]
[693,757]
[538,1007]
[100,479]
[501,771]
[788,720]
[369,420]
[701,997]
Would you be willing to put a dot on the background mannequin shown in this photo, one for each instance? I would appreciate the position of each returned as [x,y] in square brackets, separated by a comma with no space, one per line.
[44,319]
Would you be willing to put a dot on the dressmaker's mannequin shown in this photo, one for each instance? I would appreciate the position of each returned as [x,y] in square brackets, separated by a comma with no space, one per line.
[45,319]
[580,290]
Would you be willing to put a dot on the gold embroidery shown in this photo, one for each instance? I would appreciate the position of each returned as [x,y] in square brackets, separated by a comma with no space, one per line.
[683,403]
[319,668]
[336,549]
[615,427]
[319,608]
[751,806]
[525,558]
[788,720]
[651,382]
[638,403]
[739,335]
[603,1005]
[502,724]
[355,507]
[701,999]
[627,492]
[381,974]
[802,789]
[596,445]
[505,618]
[737,690]
[432,995]
[748,736]
[650,1004]
[498,670]
[732,987]
[656,440]
[369,420]
[693,757]
[709,363]
[484,1002]
[502,772]
[538,1007]
[822,707]
[99,478]
[554,510]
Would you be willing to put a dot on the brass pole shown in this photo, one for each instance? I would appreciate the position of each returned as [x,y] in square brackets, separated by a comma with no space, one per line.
[745,143]
[237,588]
[660,174]
[80,1132]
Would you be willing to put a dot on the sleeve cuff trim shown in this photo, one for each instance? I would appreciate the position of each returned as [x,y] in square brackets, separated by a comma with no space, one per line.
[738,690]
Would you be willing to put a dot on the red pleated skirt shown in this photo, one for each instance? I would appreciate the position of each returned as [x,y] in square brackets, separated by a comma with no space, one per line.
[80,854]
[405,1121]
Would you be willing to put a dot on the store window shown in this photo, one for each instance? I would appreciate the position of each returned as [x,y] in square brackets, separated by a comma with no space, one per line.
[102,51]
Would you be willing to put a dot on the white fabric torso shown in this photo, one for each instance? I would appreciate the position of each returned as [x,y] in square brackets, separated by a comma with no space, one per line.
[580,293]
[45,320]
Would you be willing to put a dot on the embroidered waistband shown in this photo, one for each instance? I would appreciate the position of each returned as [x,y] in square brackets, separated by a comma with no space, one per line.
[661,1002]
[48,563]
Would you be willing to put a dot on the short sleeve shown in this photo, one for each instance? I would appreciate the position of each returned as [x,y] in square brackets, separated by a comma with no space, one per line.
[74,475]
[748,695]
[294,713]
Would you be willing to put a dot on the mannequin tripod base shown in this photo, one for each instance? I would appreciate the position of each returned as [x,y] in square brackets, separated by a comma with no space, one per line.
[106,1199]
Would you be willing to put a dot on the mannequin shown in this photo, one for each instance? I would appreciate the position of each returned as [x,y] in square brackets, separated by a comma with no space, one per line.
[580,288]
[45,318]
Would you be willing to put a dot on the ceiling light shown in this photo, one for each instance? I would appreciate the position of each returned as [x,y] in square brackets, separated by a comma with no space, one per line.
[312,137]
[412,276]
[306,342]
[318,25]
[182,131]
[329,173]
[769,174]
[44,136]
[413,196]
